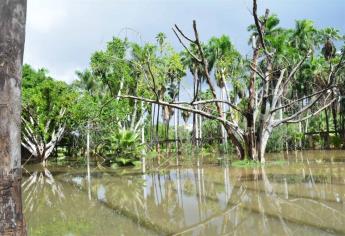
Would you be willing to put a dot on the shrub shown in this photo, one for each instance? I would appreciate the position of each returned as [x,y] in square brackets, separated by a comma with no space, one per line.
[336,141]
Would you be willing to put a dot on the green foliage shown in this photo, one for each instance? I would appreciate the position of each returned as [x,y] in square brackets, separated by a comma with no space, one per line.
[282,135]
[43,98]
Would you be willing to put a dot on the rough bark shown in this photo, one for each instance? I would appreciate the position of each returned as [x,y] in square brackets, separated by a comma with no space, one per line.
[12,37]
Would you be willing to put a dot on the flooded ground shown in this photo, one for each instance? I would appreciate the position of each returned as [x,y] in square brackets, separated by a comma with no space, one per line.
[301,194]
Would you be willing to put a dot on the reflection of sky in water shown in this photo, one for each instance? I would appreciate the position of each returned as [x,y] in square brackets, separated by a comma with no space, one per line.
[78,180]
[101,193]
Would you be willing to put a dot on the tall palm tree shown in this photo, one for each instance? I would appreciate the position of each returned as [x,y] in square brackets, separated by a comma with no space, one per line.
[328,35]
[194,69]
[161,40]
[176,71]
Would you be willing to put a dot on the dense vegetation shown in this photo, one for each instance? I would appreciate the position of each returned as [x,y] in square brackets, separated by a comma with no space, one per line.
[128,100]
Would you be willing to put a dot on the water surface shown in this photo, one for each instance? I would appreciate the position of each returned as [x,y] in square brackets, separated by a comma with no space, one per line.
[301,194]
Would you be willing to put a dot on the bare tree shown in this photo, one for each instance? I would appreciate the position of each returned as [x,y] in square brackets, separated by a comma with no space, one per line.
[265,99]
[12,37]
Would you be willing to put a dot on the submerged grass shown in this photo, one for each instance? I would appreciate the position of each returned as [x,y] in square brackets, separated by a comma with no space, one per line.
[245,164]
[253,164]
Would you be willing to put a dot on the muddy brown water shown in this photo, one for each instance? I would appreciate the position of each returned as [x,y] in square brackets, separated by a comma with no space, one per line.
[302,193]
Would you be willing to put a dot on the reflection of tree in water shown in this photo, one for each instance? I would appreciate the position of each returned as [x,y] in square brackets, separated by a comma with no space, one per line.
[268,205]
[265,201]
[125,192]
[39,188]
[228,201]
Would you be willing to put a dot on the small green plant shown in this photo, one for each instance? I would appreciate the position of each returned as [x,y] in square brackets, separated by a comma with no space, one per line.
[123,148]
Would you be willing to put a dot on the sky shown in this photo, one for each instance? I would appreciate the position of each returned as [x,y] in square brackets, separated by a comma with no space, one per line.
[61,35]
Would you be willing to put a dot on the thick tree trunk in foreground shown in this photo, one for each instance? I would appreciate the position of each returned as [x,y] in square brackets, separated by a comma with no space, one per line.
[12,37]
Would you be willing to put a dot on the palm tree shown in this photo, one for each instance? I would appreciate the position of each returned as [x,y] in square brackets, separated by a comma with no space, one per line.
[305,35]
[271,29]
[176,71]
[161,37]
[328,35]
[196,71]
[221,56]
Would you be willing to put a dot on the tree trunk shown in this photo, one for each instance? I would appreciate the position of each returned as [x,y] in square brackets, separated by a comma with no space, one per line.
[327,130]
[175,129]
[250,138]
[200,131]
[157,130]
[194,130]
[199,116]
[178,117]
[261,145]
[88,158]
[12,37]
[221,125]
[334,114]
[237,143]
[143,160]
[153,111]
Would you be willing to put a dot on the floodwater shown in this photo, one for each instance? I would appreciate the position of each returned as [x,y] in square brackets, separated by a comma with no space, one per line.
[301,194]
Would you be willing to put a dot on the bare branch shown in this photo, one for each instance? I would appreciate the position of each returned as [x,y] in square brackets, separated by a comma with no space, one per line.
[300,99]
[185,47]
[153,79]
[205,66]
[211,101]
[313,114]
[260,26]
[337,68]
[276,89]
[287,119]
[183,35]
[233,126]
[257,72]
[295,68]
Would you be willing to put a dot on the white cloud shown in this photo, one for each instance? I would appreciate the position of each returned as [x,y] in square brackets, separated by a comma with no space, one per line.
[45,15]
[62,34]
[68,76]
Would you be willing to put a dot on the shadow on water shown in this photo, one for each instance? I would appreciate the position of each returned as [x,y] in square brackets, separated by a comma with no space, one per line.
[302,196]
